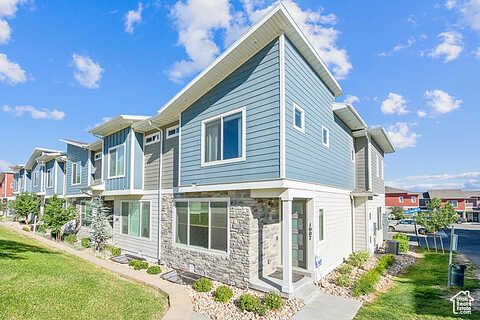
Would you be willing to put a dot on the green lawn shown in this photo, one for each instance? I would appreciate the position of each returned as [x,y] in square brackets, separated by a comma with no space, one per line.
[40,283]
[420,293]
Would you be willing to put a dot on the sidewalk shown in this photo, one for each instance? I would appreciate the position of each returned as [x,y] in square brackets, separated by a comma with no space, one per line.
[328,307]
[180,304]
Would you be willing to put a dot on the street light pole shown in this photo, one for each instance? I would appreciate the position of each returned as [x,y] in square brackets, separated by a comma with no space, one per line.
[452,231]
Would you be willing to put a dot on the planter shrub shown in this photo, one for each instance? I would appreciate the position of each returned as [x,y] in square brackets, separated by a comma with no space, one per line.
[114,251]
[203,285]
[402,239]
[367,281]
[27,229]
[70,238]
[138,264]
[343,280]
[261,310]
[42,228]
[345,269]
[86,242]
[359,258]
[273,300]
[248,302]
[154,270]
[223,294]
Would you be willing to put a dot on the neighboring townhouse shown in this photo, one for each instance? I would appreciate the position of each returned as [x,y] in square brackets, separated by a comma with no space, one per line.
[18,179]
[6,185]
[465,203]
[401,198]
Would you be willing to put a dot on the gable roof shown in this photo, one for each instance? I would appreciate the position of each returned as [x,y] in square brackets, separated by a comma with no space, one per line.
[347,113]
[37,152]
[118,123]
[17,167]
[276,22]
[446,193]
[395,190]
[74,143]
[45,157]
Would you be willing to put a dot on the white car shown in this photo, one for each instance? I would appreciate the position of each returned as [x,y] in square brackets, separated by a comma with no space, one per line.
[404,225]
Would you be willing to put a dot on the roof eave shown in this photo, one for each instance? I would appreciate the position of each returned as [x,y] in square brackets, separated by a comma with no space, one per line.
[382,138]
[340,108]
[118,123]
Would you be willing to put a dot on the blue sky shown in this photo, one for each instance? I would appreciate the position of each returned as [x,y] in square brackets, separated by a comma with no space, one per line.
[410,66]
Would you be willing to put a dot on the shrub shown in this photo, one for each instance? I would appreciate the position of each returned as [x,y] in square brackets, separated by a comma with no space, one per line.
[27,229]
[402,239]
[223,294]
[86,242]
[273,300]
[261,310]
[203,285]
[154,270]
[345,269]
[114,251]
[249,302]
[70,238]
[343,280]
[366,283]
[384,263]
[358,259]
[138,264]
[42,228]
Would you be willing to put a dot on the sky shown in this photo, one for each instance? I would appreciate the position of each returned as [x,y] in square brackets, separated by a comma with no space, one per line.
[409,66]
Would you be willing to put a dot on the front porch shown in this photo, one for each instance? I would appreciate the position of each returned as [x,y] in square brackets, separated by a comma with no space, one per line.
[274,282]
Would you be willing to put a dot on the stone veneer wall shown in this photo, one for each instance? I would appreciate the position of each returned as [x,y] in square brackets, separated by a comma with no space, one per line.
[247,217]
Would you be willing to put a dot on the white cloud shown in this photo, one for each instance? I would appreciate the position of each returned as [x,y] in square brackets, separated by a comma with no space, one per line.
[11,72]
[351,99]
[401,135]
[441,101]
[44,113]
[8,8]
[471,13]
[451,47]
[450,4]
[132,18]
[88,73]
[196,32]
[5,31]
[421,113]
[394,104]
[412,20]
[477,53]
[466,181]
[409,43]
[5,165]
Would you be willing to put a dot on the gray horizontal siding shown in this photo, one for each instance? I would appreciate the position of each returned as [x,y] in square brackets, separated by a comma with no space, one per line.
[76,154]
[378,185]
[254,85]
[360,224]
[306,158]
[361,164]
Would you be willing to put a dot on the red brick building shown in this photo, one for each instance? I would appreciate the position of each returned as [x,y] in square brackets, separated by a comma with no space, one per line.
[6,181]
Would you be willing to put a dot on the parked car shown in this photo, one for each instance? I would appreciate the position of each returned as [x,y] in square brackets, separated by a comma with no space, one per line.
[404,225]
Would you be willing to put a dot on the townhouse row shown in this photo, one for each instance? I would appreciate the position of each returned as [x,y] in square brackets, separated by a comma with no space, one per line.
[251,175]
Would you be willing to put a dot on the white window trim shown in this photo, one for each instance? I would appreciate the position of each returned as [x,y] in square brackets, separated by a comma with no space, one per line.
[328,137]
[400,199]
[194,248]
[352,153]
[413,199]
[168,136]
[49,179]
[124,161]
[203,163]
[97,156]
[324,226]
[141,214]
[150,136]
[450,202]
[79,164]
[302,128]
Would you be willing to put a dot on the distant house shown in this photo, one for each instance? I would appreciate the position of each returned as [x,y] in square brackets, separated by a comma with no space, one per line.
[401,198]
[6,185]
[465,203]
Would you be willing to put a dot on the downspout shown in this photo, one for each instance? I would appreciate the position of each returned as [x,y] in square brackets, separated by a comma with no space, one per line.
[159,191]
[352,206]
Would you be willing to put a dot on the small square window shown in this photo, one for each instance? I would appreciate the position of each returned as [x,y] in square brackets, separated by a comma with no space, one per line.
[400,199]
[325,137]
[173,131]
[298,118]
[98,156]
[153,138]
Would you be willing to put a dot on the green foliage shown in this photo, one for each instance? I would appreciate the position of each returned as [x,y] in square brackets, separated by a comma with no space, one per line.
[86,242]
[203,285]
[114,251]
[248,302]
[223,294]
[154,270]
[343,280]
[398,213]
[345,269]
[25,204]
[56,215]
[273,300]
[384,263]
[100,228]
[27,229]
[138,264]
[3,206]
[70,238]
[42,228]
[439,217]
[359,258]
[402,239]
[367,281]
[261,310]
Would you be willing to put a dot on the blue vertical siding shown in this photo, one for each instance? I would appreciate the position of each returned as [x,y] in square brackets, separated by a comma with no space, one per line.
[36,168]
[119,137]
[60,175]
[256,86]
[76,154]
[50,165]
[138,161]
[29,181]
[306,158]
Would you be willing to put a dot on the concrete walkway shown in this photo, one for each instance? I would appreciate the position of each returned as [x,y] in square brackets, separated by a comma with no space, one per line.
[180,303]
[327,307]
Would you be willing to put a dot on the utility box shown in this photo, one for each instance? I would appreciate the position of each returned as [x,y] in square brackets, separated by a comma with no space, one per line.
[458,274]
[392,247]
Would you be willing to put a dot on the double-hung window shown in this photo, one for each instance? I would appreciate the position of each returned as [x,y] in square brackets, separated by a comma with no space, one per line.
[136,218]
[49,178]
[325,137]
[224,138]
[298,118]
[379,218]
[86,214]
[35,178]
[413,199]
[116,161]
[173,131]
[202,223]
[76,172]
[321,225]
[454,203]
[400,199]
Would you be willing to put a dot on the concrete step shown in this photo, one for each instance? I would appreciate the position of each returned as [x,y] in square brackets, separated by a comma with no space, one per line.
[307,292]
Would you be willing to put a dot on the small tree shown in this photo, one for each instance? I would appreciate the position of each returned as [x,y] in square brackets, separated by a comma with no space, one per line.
[56,215]
[398,213]
[25,204]
[4,207]
[100,227]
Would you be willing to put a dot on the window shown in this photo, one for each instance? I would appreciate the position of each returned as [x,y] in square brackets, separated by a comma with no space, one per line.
[136,218]
[224,138]
[413,199]
[173,131]
[378,165]
[454,203]
[321,225]
[400,199]
[49,178]
[298,118]
[202,223]
[116,161]
[35,178]
[379,218]
[86,214]
[352,154]
[76,172]
[152,138]
[98,156]
[325,137]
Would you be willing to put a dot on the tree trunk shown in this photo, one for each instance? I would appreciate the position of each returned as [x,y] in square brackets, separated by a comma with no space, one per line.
[426,241]
[435,241]
[441,243]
